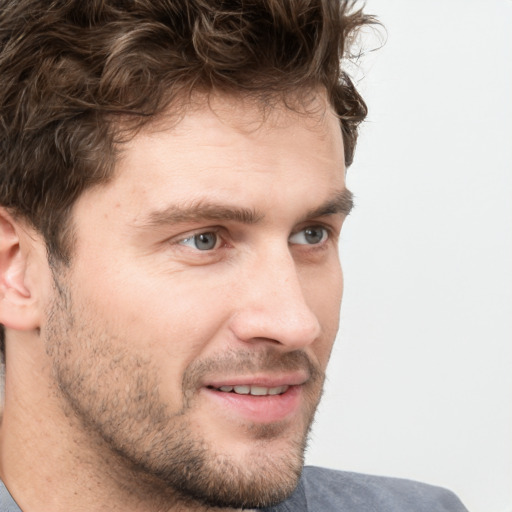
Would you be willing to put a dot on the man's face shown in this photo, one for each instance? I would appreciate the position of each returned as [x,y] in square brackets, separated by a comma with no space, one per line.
[191,332]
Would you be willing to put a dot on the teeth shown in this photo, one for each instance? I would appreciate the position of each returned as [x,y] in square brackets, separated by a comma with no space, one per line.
[254,390]
[259,391]
[277,391]
[242,390]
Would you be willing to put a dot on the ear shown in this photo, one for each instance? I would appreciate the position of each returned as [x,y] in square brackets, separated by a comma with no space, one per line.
[18,305]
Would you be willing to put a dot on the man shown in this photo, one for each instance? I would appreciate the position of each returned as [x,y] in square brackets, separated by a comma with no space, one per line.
[172,191]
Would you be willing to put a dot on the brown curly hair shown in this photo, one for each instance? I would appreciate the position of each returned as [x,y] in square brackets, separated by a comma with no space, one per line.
[72,72]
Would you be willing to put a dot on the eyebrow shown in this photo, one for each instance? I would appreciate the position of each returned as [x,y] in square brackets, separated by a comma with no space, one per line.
[342,202]
[197,211]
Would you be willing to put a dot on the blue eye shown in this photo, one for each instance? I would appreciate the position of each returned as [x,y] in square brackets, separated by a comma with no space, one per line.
[310,236]
[201,241]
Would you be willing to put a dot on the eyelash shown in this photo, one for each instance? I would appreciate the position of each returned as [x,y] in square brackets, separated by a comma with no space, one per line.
[208,232]
[326,237]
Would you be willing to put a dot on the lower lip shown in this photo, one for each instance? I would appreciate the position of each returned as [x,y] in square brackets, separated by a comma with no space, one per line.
[259,409]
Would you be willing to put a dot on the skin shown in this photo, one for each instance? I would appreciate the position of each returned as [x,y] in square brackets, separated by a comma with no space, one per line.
[114,363]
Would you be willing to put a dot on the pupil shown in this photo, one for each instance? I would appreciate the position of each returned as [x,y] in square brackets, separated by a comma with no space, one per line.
[205,241]
[314,235]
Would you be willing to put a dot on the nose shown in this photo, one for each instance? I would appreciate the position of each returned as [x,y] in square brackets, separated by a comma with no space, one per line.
[271,304]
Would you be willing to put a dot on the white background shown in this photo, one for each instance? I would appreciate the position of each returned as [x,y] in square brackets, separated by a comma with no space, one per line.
[420,383]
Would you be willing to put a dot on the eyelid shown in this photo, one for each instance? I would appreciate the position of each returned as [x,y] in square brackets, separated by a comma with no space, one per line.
[329,232]
[332,231]
[178,240]
[192,237]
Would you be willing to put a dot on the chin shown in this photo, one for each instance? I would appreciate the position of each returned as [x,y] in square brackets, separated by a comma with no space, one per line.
[261,483]
[259,471]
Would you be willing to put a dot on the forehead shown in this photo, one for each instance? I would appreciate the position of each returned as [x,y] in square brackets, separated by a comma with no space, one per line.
[249,112]
[231,127]
[231,151]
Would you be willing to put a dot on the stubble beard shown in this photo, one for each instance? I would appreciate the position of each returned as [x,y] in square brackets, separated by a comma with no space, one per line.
[113,397]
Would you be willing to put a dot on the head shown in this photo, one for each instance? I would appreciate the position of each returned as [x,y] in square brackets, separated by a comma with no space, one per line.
[154,153]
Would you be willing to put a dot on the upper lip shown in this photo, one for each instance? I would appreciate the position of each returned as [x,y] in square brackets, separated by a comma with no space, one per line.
[266,381]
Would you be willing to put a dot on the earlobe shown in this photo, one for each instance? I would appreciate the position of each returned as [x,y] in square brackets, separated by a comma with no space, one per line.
[18,308]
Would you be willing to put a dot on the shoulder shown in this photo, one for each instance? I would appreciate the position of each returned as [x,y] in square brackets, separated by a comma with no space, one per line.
[7,504]
[329,490]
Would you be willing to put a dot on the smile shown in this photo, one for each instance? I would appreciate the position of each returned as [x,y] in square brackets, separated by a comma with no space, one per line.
[253,390]
[255,402]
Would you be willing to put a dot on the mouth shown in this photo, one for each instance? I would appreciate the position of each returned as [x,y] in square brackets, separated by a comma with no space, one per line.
[256,402]
[252,390]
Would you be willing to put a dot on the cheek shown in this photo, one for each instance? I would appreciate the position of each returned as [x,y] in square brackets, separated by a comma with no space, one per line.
[323,292]
[323,289]
[175,318]
[162,319]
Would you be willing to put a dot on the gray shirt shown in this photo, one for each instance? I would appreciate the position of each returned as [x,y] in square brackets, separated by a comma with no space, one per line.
[325,490]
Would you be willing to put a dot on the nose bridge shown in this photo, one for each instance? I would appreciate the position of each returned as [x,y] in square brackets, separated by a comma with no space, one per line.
[273,304]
